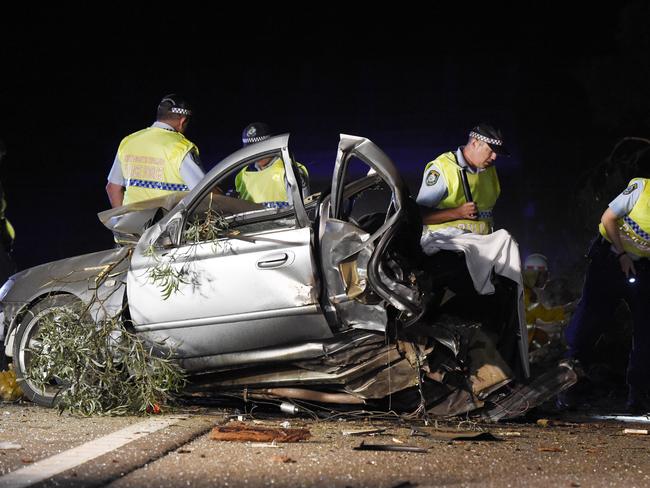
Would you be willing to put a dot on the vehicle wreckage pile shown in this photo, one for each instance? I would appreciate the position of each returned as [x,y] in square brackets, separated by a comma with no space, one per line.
[323,303]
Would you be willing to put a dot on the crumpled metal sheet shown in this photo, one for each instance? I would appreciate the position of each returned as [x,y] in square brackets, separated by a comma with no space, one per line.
[395,377]
[526,396]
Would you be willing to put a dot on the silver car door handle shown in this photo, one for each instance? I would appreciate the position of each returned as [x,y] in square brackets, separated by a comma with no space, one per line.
[273,261]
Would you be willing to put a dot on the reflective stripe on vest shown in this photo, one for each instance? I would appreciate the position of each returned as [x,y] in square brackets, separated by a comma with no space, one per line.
[150,160]
[634,228]
[485,190]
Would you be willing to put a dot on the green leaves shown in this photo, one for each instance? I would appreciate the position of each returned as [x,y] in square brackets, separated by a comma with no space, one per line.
[101,369]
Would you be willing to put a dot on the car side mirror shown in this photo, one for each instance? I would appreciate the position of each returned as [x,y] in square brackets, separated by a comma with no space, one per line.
[169,236]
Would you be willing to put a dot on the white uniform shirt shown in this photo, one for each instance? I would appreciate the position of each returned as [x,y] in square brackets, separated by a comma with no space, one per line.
[190,170]
[623,204]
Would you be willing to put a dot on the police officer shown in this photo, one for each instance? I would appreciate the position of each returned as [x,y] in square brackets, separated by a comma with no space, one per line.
[460,188]
[7,234]
[265,181]
[158,160]
[619,268]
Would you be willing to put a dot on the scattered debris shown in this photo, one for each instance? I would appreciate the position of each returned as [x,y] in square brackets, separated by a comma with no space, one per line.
[510,434]
[389,447]
[417,433]
[465,436]
[397,441]
[544,422]
[636,431]
[550,449]
[5,446]
[285,425]
[241,432]
[363,432]
[282,459]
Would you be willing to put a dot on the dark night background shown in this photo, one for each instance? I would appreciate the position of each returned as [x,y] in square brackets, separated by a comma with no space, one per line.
[564,86]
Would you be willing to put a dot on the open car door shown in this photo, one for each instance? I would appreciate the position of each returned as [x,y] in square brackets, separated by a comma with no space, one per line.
[359,223]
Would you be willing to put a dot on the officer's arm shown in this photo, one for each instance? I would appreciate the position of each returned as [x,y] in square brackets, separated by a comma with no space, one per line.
[115,194]
[467,211]
[609,221]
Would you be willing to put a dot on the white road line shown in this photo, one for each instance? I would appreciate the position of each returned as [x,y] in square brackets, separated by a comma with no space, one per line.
[48,467]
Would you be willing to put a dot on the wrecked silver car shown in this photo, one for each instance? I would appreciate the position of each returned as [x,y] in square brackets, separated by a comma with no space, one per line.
[328,299]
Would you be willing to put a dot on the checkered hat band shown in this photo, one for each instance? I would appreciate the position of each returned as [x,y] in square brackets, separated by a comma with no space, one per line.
[180,111]
[251,140]
[157,185]
[489,140]
[637,228]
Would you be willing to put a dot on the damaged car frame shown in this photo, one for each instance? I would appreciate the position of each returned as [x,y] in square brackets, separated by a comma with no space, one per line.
[328,299]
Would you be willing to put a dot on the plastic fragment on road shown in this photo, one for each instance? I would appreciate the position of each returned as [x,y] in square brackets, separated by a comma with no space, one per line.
[389,447]
[241,432]
[465,436]
[636,431]
[5,446]
[363,432]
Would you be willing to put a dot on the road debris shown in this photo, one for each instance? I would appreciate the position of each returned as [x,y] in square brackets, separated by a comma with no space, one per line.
[5,446]
[550,449]
[465,436]
[241,432]
[417,433]
[282,459]
[363,432]
[636,431]
[389,447]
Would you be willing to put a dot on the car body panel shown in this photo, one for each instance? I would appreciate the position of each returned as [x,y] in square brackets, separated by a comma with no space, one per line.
[239,295]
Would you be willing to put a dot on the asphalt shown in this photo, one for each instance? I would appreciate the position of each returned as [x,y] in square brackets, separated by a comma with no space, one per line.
[562,450]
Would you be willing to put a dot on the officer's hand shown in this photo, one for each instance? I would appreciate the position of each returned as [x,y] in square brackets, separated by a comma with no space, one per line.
[627,265]
[468,210]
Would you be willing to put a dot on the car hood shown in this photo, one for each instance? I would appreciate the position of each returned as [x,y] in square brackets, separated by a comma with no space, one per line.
[128,222]
[75,275]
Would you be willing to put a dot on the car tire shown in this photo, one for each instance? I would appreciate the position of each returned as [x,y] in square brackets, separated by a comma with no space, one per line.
[25,333]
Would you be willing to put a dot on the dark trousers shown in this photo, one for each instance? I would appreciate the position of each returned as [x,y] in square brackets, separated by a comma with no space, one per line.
[605,285]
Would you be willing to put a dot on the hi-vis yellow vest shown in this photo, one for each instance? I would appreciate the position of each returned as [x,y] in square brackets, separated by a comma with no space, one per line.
[151,162]
[8,227]
[266,185]
[634,228]
[485,190]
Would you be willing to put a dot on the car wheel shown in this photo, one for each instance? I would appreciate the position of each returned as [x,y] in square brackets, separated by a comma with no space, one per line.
[27,344]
